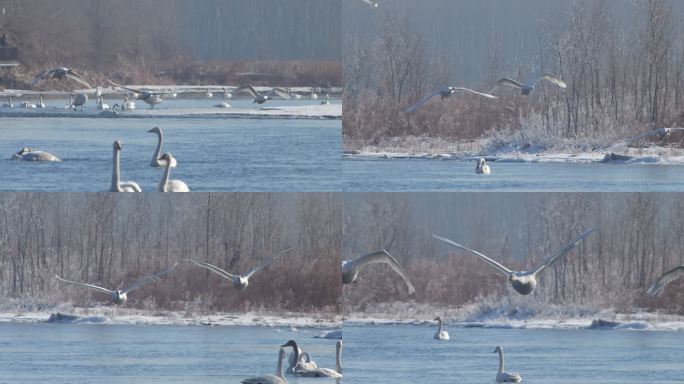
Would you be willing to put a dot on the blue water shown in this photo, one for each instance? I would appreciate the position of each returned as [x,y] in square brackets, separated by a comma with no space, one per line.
[409,354]
[397,175]
[62,353]
[213,154]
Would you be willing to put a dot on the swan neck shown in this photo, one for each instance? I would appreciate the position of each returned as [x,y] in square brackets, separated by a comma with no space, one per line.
[116,172]
[440,325]
[159,147]
[279,369]
[338,360]
[165,177]
[501,361]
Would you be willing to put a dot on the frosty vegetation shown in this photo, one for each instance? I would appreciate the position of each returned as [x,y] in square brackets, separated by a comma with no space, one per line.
[113,240]
[638,239]
[622,77]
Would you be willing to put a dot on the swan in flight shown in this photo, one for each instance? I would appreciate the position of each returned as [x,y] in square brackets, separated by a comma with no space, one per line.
[668,277]
[150,98]
[524,282]
[41,104]
[157,161]
[9,103]
[441,334]
[127,105]
[296,362]
[278,378]
[662,133]
[28,154]
[326,372]
[167,185]
[260,98]
[120,296]
[528,87]
[79,101]
[118,185]
[60,74]
[350,268]
[482,167]
[446,93]
[238,281]
[505,377]
[373,3]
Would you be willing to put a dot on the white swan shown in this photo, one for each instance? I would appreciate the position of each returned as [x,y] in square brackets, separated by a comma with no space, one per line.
[150,98]
[209,94]
[373,3]
[528,87]
[446,93]
[326,372]
[167,185]
[28,105]
[156,158]
[226,94]
[665,279]
[117,185]
[327,99]
[79,101]
[101,105]
[441,333]
[111,112]
[278,378]
[482,168]
[296,362]
[9,103]
[40,102]
[60,74]
[238,281]
[505,377]
[120,296]
[350,268]
[127,105]
[260,98]
[28,154]
[313,95]
[524,282]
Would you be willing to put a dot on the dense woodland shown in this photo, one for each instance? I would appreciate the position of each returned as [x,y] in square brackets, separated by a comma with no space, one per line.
[177,41]
[113,239]
[621,76]
[637,240]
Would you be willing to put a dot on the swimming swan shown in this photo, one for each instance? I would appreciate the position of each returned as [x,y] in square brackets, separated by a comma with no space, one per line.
[505,377]
[120,296]
[60,74]
[326,372]
[260,98]
[296,363]
[441,334]
[167,185]
[156,158]
[150,98]
[101,105]
[28,154]
[41,104]
[117,185]
[524,282]
[278,378]
[446,93]
[528,87]
[127,105]
[238,281]
[350,268]
[482,168]
[666,279]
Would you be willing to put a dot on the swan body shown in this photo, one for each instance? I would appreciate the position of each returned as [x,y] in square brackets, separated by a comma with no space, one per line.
[60,74]
[524,282]
[260,98]
[28,154]
[223,105]
[79,101]
[118,185]
[351,268]
[9,103]
[445,93]
[119,296]
[441,333]
[150,98]
[157,161]
[209,94]
[668,277]
[100,105]
[482,168]
[226,94]
[110,112]
[40,102]
[238,281]
[127,105]
[326,372]
[502,376]
[327,100]
[28,105]
[278,378]
[167,185]
[296,362]
[528,87]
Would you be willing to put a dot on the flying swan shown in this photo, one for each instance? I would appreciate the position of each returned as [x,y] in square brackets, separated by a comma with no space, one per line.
[150,98]
[482,168]
[117,185]
[260,98]
[446,93]
[238,281]
[505,377]
[350,268]
[441,333]
[373,3]
[28,154]
[167,185]
[157,161]
[120,296]
[60,74]
[528,87]
[326,372]
[668,277]
[524,282]
[278,378]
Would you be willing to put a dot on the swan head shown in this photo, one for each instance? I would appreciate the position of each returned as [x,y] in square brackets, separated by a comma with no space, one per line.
[512,277]
[498,349]
[290,343]
[338,345]
[24,151]
[481,161]
[168,157]
[156,130]
[117,145]
[438,318]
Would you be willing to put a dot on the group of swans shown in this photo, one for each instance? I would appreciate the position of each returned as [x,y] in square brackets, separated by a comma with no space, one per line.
[260,98]
[351,268]
[305,367]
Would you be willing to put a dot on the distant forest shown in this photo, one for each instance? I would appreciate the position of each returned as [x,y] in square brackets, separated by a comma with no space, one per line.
[194,41]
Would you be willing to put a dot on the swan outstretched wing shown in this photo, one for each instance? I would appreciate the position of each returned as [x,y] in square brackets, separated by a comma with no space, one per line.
[148,279]
[553,259]
[104,290]
[281,92]
[506,81]
[212,268]
[249,89]
[384,257]
[487,95]
[553,79]
[138,91]
[267,262]
[665,279]
[78,78]
[422,101]
[492,262]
